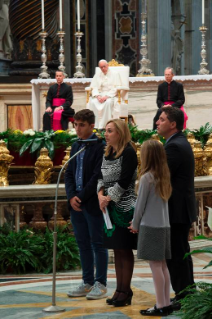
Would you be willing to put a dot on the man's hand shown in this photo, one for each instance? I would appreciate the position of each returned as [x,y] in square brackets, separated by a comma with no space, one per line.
[49,109]
[102,99]
[58,108]
[75,203]
[167,105]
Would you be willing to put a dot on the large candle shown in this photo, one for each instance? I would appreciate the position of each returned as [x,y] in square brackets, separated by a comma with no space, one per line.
[203,11]
[78,15]
[61,18]
[42,14]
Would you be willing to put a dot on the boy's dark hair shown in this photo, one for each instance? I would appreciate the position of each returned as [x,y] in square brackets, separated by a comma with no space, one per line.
[174,115]
[85,115]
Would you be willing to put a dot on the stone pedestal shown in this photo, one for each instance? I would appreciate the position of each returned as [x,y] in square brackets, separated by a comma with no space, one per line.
[38,221]
[60,220]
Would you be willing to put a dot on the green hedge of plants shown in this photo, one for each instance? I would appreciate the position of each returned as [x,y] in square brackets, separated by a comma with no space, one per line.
[33,141]
[198,303]
[25,251]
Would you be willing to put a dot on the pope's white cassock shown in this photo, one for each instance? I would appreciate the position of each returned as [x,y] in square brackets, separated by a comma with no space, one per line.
[105,85]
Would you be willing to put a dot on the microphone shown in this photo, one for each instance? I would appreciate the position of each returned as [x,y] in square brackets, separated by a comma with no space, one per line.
[90,141]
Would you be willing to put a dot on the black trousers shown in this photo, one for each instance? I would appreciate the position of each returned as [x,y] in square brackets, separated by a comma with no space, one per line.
[47,119]
[181,270]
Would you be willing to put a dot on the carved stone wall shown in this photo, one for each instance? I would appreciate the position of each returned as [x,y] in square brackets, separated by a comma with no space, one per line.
[126,35]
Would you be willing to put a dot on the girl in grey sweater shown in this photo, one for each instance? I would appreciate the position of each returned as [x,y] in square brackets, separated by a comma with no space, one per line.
[151,221]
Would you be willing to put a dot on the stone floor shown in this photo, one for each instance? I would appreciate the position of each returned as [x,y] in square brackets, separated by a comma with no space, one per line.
[25,297]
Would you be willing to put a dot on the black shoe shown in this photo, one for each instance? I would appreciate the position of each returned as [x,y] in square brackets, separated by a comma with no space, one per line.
[169,308]
[161,312]
[110,301]
[124,302]
[175,303]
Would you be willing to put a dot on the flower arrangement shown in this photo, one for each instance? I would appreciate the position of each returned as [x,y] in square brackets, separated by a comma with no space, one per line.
[29,132]
[33,141]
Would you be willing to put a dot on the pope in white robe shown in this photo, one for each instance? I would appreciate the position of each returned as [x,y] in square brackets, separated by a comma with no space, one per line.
[104,102]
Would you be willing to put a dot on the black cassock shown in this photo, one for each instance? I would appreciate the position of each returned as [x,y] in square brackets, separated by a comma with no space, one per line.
[64,91]
[169,92]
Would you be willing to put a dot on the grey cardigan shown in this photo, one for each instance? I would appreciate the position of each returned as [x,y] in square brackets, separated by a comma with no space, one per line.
[150,210]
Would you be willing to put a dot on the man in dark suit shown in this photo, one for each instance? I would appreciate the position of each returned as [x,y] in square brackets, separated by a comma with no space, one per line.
[59,98]
[182,204]
[170,93]
[81,188]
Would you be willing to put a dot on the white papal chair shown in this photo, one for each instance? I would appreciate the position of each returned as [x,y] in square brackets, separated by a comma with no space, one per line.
[122,90]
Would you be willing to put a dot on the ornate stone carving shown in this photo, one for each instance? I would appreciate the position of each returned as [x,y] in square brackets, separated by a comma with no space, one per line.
[144,62]
[5,33]
[38,222]
[22,219]
[208,154]
[43,168]
[60,220]
[178,20]
[5,162]
[200,160]
[191,139]
[67,156]
[156,138]
[203,65]
[114,63]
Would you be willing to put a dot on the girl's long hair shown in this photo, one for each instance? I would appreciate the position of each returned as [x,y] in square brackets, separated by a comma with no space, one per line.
[125,137]
[153,159]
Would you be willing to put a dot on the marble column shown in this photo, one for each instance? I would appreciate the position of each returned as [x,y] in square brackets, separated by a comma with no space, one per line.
[93,39]
[108,29]
[68,46]
[188,38]
[196,35]
[159,34]
[178,30]
[209,35]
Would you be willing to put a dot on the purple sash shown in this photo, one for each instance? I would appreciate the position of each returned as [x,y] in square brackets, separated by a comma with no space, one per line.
[56,125]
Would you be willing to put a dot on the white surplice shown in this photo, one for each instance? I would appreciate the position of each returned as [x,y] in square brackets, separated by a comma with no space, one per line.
[105,85]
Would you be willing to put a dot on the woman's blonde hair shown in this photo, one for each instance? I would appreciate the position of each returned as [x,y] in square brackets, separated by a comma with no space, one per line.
[153,159]
[124,134]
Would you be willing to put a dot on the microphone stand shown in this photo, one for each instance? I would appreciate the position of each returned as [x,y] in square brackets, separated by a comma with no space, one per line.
[54,307]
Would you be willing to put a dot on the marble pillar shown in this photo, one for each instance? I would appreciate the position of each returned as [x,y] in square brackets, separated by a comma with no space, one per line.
[108,29]
[188,38]
[159,35]
[38,222]
[68,45]
[209,41]
[93,39]
[59,218]
[196,35]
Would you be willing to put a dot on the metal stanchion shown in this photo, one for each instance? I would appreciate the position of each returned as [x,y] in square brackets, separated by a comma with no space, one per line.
[54,307]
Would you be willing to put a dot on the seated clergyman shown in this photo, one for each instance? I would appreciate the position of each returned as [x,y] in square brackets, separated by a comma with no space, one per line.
[170,93]
[58,105]
[104,90]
